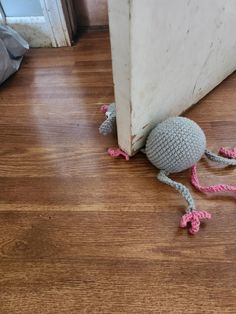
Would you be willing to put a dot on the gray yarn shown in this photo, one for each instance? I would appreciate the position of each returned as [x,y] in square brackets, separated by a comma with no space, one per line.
[220,159]
[109,124]
[163,177]
[175,144]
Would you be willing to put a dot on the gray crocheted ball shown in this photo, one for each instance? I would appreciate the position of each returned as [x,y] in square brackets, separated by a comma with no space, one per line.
[175,144]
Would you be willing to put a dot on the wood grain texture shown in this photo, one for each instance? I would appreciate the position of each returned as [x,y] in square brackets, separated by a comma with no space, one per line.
[83,233]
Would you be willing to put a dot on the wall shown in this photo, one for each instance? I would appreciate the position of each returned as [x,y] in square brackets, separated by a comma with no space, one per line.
[172,58]
[19,8]
[92,12]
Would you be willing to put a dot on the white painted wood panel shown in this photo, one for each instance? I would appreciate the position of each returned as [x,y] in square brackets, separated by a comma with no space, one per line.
[177,51]
[56,22]
[119,13]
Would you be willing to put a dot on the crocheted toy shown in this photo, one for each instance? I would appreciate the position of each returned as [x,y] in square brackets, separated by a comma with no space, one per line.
[109,124]
[175,145]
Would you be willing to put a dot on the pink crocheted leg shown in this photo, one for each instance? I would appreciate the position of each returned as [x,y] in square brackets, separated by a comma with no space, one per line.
[212,188]
[104,108]
[116,152]
[194,219]
[227,153]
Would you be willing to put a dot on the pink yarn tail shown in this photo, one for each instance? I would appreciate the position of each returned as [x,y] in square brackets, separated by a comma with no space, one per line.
[194,219]
[104,108]
[116,152]
[228,153]
[212,188]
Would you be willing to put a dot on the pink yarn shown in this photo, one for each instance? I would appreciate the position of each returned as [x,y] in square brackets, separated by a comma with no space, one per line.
[228,153]
[212,188]
[104,108]
[194,218]
[116,152]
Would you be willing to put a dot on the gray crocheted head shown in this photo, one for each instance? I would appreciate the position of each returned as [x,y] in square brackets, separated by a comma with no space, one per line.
[175,144]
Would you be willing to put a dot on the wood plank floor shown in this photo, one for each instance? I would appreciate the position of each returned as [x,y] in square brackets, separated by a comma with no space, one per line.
[83,233]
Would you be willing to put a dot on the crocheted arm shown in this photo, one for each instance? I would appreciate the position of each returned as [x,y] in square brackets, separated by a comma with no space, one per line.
[192,217]
[109,124]
[229,158]
[163,177]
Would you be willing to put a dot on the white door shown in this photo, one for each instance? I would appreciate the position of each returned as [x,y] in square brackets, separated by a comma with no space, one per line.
[166,56]
[43,23]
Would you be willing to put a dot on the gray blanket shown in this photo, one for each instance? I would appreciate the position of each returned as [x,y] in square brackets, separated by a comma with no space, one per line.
[12,49]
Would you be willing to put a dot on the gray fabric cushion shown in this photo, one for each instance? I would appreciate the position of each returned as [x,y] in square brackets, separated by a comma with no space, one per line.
[12,48]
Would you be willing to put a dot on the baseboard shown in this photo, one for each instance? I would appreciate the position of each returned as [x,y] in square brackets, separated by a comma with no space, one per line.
[94,28]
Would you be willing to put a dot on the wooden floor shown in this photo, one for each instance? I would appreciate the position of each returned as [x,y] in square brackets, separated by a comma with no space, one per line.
[81,232]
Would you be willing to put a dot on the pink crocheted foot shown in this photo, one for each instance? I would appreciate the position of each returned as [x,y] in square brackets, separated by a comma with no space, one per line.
[194,219]
[116,152]
[104,108]
[227,152]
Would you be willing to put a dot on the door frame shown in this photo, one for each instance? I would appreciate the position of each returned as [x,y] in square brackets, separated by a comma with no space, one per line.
[2,14]
[55,18]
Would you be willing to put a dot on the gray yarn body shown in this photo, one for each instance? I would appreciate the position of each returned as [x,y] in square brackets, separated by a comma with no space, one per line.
[109,124]
[175,144]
